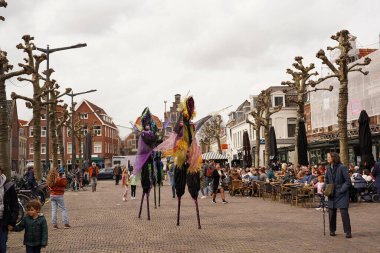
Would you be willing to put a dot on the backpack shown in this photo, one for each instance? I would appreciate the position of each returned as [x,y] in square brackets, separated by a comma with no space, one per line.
[209,172]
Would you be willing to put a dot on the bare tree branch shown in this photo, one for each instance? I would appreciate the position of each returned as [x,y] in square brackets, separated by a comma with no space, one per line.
[16,96]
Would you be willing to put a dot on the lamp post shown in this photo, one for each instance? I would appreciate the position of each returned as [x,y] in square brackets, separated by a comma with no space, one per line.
[48,51]
[73,150]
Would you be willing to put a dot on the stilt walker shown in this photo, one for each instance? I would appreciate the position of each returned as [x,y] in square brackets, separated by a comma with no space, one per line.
[183,146]
[144,161]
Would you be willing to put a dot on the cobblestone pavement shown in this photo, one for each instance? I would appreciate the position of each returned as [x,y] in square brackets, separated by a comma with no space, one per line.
[102,222]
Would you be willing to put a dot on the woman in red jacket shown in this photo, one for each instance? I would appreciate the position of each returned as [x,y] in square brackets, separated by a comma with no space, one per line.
[57,184]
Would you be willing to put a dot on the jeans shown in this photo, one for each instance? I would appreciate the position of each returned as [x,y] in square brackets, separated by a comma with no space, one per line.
[57,201]
[33,249]
[208,187]
[94,181]
[3,237]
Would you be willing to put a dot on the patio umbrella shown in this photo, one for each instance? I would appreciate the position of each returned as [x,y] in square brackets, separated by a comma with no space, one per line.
[87,150]
[247,158]
[365,141]
[302,144]
[273,145]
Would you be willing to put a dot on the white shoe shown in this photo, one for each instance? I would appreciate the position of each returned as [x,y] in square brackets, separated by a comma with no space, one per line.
[203,197]
[318,209]
[123,199]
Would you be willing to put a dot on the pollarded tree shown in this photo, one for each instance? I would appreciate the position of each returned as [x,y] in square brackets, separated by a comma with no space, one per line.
[211,131]
[35,102]
[302,85]
[257,115]
[268,111]
[5,74]
[340,70]
[62,118]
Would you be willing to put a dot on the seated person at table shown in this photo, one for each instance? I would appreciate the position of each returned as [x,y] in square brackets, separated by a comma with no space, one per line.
[255,175]
[235,175]
[308,177]
[263,176]
[289,177]
[270,174]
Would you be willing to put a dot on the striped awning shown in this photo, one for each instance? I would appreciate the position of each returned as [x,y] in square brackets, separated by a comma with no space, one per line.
[213,156]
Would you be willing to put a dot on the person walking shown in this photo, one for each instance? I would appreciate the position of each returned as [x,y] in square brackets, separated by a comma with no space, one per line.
[36,230]
[117,171]
[56,182]
[337,174]
[125,182]
[202,177]
[376,175]
[93,172]
[133,186]
[8,209]
[217,176]
[171,176]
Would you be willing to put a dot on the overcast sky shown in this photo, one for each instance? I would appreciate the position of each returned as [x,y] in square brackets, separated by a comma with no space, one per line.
[141,53]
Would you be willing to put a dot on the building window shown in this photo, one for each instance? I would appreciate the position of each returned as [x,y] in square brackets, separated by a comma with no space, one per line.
[31,132]
[69,148]
[84,130]
[98,130]
[84,116]
[43,131]
[43,116]
[291,127]
[43,148]
[97,147]
[31,150]
[278,101]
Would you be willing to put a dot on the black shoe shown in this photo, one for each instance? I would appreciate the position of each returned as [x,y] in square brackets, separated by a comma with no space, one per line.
[348,235]
[332,234]
[225,202]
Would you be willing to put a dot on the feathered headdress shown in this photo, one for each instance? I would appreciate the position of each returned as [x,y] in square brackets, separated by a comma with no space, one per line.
[146,117]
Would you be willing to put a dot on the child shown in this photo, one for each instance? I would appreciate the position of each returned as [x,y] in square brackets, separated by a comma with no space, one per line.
[319,186]
[124,182]
[36,231]
[133,186]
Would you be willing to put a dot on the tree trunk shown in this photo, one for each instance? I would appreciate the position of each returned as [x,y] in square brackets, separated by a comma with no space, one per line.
[4,132]
[61,147]
[342,121]
[37,135]
[257,149]
[53,130]
[267,144]
[219,146]
[300,114]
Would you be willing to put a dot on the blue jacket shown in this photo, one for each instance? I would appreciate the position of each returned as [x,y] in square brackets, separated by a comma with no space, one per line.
[338,175]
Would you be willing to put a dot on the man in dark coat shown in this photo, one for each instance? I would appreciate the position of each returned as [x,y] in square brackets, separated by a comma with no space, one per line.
[337,174]
[8,209]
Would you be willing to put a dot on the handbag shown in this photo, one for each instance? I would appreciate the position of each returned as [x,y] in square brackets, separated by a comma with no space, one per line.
[329,190]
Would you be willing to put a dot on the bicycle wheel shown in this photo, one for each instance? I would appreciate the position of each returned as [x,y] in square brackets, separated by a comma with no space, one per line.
[24,199]
[21,212]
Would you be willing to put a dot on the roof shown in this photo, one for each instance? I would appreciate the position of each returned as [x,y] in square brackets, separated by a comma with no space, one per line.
[213,156]
[245,103]
[22,122]
[98,111]
[363,52]
[200,122]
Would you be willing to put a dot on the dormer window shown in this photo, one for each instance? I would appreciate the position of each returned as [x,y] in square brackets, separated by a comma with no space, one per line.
[278,100]
[84,116]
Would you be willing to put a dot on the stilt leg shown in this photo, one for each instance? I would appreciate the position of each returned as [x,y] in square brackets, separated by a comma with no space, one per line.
[155,203]
[196,206]
[147,205]
[179,209]
[142,200]
[159,195]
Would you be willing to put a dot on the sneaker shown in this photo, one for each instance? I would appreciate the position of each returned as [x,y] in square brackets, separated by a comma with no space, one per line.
[318,208]
[224,202]
[123,199]
[67,226]
[332,233]
[213,201]
[55,226]
[348,235]
[203,197]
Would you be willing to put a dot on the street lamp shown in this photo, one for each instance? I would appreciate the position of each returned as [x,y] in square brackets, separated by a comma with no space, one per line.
[73,151]
[48,51]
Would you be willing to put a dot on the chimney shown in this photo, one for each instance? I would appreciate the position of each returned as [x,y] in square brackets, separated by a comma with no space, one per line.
[177,98]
